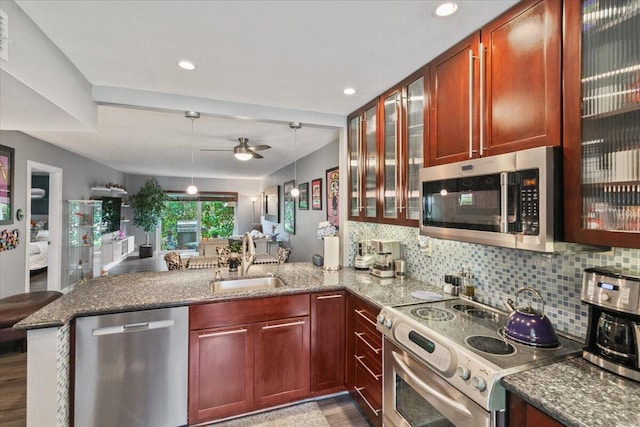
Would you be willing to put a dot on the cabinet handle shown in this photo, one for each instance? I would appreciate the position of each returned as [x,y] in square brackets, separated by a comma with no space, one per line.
[482,89]
[361,313]
[471,57]
[284,325]
[377,412]
[360,334]
[359,359]
[217,334]
[362,159]
[398,202]
[329,296]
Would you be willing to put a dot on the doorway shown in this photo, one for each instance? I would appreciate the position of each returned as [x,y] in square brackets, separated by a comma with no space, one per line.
[44,227]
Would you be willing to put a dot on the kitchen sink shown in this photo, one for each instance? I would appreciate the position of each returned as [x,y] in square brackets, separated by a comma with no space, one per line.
[251,284]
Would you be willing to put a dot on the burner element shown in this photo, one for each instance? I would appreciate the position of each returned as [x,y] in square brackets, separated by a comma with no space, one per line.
[490,345]
[473,311]
[431,313]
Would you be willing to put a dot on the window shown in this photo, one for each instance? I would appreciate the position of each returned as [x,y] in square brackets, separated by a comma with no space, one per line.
[188,219]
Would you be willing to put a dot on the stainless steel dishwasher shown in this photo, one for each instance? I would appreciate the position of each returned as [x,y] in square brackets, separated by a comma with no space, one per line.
[131,369]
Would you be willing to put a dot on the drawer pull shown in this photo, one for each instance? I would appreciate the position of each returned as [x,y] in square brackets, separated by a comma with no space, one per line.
[329,296]
[361,313]
[217,334]
[359,359]
[360,334]
[284,325]
[377,412]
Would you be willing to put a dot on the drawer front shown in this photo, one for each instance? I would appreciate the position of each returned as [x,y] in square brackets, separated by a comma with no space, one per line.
[368,394]
[368,358]
[227,313]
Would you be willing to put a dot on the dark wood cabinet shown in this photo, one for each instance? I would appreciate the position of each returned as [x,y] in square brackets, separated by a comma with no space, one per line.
[327,342]
[499,90]
[220,382]
[454,102]
[281,361]
[363,163]
[601,52]
[522,414]
[364,358]
[246,355]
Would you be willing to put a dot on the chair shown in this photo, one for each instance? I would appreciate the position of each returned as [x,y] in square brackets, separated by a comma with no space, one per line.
[174,261]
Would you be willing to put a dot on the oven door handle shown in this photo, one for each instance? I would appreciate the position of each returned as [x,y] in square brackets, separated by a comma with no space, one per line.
[436,394]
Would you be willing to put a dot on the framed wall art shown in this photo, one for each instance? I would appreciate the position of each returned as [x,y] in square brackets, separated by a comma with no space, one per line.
[6,184]
[316,194]
[333,196]
[303,199]
[289,208]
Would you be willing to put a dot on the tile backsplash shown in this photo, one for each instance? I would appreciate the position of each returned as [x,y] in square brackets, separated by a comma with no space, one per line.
[499,272]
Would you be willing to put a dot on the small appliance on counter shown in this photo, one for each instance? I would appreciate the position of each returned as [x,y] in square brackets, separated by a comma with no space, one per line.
[387,252]
[365,257]
[613,337]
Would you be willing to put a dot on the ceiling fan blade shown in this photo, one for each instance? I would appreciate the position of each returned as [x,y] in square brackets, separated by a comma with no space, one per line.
[213,149]
[260,147]
[256,155]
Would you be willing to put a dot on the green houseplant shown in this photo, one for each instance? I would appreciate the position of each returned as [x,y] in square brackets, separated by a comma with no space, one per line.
[147,208]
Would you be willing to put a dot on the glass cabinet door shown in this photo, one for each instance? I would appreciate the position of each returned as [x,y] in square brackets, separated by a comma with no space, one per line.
[85,236]
[370,164]
[389,156]
[610,146]
[414,147]
[355,159]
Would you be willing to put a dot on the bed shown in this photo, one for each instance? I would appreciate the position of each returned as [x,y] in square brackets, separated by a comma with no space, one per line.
[39,251]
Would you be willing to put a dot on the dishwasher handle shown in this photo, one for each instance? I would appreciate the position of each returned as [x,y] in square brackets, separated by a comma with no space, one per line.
[133,327]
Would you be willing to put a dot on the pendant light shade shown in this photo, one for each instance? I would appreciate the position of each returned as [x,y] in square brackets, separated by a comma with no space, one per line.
[192,189]
[295,126]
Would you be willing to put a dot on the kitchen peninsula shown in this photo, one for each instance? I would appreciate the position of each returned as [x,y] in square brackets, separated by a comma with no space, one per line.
[50,337]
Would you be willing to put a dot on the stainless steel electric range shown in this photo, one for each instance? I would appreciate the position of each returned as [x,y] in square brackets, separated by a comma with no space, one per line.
[443,361]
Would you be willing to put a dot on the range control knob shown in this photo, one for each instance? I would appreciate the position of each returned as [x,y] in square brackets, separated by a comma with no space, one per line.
[380,318]
[388,323]
[605,297]
[463,372]
[479,383]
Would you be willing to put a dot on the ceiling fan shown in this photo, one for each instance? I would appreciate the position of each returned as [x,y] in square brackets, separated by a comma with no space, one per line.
[243,151]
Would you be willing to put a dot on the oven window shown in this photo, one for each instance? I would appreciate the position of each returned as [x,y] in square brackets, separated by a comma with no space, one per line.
[415,410]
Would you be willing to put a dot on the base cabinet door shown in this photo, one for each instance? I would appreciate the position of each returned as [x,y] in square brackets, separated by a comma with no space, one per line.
[282,361]
[221,372]
[327,341]
[522,414]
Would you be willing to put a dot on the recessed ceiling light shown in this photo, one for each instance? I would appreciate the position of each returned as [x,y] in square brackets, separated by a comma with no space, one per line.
[186,65]
[349,91]
[446,9]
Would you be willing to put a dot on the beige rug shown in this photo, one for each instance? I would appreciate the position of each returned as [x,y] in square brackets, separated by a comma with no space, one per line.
[305,414]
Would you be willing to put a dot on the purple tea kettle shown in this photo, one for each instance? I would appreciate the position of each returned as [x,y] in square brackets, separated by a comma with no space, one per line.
[529,326]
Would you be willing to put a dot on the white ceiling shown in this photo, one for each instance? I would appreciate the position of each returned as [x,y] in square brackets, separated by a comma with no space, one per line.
[291,55]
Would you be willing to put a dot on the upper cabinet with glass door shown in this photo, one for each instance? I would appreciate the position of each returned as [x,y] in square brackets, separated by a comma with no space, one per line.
[363,164]
[602,122]
[499,89]
[402,150]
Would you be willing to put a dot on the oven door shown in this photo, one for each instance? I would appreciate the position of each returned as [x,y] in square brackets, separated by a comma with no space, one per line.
[414,395]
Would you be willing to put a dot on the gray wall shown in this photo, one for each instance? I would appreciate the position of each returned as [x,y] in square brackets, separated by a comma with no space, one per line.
[78,176]
[246,188]
[304,243]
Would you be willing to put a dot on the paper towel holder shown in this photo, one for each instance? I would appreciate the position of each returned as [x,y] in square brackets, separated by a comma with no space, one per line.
[331,253]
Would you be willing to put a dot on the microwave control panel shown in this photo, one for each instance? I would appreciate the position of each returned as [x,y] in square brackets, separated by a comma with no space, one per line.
[529,183]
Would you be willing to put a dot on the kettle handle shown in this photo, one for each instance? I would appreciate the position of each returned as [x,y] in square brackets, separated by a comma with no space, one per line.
[535,292]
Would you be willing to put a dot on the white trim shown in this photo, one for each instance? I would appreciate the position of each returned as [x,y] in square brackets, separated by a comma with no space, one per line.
[54,264]
[42,376]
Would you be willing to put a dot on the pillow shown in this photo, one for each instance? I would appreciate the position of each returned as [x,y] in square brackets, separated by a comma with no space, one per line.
[173,260]
[223,250]
[283,255]
[43,235]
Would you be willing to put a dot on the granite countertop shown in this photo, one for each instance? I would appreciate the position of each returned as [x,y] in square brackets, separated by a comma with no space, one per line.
[139,291]
[578,393]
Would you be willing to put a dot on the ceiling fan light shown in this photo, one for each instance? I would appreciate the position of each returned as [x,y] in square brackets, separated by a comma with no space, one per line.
[192,189]
[243,156]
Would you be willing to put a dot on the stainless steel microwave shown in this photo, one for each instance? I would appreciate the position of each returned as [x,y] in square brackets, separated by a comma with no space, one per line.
[510,200]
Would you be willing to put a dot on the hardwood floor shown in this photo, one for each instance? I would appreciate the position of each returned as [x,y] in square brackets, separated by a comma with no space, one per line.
[339,411]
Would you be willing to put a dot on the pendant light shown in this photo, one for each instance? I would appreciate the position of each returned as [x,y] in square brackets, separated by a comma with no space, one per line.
[192,189]
[295,126]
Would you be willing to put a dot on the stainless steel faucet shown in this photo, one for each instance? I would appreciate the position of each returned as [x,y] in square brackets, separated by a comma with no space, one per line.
[247,240]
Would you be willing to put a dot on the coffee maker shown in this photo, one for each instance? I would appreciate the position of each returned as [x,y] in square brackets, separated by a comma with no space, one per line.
[365,257]
[386,252]
[613,337]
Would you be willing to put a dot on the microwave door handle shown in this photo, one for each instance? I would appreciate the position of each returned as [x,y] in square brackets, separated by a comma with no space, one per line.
[436,394]
[504,202]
